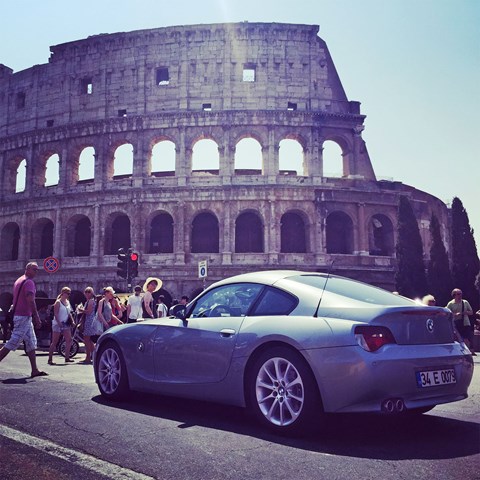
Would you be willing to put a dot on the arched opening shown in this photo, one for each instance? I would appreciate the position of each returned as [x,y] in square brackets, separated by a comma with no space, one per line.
[86,164]
[163,159]
[117,235]
[291,157]
[52,170]
[248,233]
[292,233]
[205,157]
[332,156]
[161,234]
[123,161]
[339,233]
[10,240]
[380,236]
[21,177]
[248,157]
[42,238]
[82,238]
[205,233]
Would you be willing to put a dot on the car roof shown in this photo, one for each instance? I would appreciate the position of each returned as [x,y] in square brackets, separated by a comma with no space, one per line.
[268,277]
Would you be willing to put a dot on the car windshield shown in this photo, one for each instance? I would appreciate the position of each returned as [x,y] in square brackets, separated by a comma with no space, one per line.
[356,291]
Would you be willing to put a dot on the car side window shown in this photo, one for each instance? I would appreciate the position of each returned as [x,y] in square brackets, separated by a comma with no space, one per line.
[274,302]
[227,301]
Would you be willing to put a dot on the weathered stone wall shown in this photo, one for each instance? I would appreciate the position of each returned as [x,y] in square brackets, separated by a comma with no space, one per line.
[107,90]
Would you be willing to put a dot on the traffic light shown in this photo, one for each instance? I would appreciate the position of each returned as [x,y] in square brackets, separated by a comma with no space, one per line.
[133,264]
[122,265]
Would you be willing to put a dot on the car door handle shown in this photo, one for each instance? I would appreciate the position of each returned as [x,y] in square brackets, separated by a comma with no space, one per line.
[227,332]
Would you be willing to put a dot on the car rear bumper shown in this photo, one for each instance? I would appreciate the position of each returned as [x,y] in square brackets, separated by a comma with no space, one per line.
[354,380]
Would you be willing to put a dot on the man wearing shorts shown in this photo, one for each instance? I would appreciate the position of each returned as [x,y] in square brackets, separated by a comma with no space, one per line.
[25,316]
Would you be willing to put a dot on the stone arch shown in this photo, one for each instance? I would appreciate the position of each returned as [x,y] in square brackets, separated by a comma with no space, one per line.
[293,233]
[339,228]
[77,297]
[380,235]
[78,236]
[248,158]
[291,157]
[117,233]
[205,233]
[205,156]
[163,158]
[6,299]
[41,245]
[123,161]
[86,164]
[52,170]
[161,233]
[19,175]
[333,159]
[249,233]
[10,239]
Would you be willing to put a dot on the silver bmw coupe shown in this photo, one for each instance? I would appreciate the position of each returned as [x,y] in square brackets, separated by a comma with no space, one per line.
[292,346]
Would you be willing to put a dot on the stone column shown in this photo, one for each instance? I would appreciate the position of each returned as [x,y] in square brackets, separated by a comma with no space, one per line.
[97,232]
[4,180]
[141,162]
[57,246]
[65,171]
[226,237]
[183,160]
[272,242]
[25,237]
[362,238]
[100,165]
[180,236]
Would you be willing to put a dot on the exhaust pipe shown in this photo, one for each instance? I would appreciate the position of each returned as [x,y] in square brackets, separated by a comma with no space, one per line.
[393,405]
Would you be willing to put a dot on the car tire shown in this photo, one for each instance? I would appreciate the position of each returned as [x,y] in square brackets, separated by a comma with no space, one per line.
[282,393]
[111,372]
[74,348]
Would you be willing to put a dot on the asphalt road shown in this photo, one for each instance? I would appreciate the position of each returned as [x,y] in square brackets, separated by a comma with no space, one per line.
[58,427]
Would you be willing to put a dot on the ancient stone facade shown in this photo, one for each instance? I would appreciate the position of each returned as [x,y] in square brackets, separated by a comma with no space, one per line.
[116,98]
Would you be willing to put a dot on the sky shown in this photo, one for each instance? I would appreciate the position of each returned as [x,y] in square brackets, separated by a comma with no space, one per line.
[413,64]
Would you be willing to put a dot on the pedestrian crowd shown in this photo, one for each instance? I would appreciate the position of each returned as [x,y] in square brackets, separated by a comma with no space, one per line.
[91,318]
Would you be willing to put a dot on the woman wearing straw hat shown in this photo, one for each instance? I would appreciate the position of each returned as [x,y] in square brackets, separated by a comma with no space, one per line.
[150,286]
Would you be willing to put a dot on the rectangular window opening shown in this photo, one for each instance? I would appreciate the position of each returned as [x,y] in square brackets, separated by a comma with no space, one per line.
[122,112]
[162,76]
[50,123]
[207,107]
[291,106]
[87,86]
[249,73]
[21,97]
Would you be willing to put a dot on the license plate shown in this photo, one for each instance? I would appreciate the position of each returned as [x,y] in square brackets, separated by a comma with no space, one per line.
[434,378]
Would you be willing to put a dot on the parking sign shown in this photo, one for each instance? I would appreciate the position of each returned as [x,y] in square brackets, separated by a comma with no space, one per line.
[202,269]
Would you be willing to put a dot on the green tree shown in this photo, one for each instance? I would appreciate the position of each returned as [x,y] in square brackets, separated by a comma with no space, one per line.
[410,277]
[465,261]
[439,276]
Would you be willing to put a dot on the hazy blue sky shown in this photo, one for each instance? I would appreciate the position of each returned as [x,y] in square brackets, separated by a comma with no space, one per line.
[413,64]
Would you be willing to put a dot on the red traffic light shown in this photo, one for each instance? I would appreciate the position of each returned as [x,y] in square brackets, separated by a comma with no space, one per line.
[134,257]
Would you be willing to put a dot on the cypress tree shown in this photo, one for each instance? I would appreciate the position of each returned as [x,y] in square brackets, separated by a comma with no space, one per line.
[465,261]
[410,277]
[438,273]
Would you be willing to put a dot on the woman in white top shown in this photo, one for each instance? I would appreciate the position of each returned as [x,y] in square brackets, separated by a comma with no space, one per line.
[61,325]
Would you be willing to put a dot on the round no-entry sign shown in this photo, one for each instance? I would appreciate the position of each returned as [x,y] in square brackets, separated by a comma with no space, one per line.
[51,264]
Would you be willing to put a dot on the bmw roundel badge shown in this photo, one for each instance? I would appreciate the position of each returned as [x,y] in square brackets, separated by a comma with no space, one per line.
[430,325]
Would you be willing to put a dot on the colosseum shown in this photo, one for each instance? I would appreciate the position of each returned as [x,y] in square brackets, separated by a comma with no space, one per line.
[191,144]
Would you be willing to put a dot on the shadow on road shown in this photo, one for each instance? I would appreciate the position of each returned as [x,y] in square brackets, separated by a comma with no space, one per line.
[363,436]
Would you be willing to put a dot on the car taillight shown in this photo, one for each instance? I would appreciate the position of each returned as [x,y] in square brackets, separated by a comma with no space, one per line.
[371,338]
